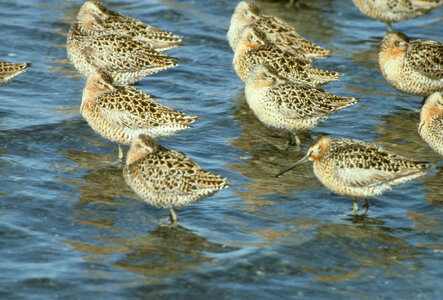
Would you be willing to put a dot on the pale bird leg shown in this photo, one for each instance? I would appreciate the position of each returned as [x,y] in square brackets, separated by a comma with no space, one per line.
[293,140]
[173,216]
[355,206]
[120,152]
[389,26]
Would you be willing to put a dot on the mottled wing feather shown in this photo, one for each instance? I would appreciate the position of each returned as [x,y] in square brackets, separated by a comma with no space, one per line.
[129,54]
[363,165]
[285,62]
[281,32]
[424,4]
[135,27]
[301,101]
[7,67]
[426,57]
[436,127]
[177,173]
[277,25]
[156,176]
[129,107]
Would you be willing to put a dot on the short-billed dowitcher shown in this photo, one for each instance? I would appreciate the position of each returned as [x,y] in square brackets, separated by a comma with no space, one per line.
[119,24]
[412,66]
[395,10]
[125,59]
[167,178]
[10,70]
[431,122]
[287,105]
[359,169]
[276,30]
[253,49]
[121,113]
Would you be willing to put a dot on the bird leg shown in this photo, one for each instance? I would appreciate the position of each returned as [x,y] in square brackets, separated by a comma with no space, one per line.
[366,206]
[389,26]
[120,152]
[293,140]
[355,206]
[173,216]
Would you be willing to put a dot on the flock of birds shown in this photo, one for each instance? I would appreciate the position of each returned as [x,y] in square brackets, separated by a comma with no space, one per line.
[282,89]
[113,50]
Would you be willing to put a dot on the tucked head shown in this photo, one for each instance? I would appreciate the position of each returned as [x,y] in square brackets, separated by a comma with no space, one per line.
[394,40]
[140,147]
[264,75]
[435,100]
[100,81]
[432,107]
[252,37]
[94,8]
[246,12]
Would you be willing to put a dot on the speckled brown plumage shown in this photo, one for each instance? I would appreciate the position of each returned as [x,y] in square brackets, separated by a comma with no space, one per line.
[9,70]
[412,66]
[167,178]
[395,10]
[289,105]
[254,49]
[359,169]
[276,30]
[119,24]
[121,113]
[125,59]
[431,122]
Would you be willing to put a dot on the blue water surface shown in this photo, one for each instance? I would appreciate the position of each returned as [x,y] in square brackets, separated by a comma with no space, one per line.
[70,228]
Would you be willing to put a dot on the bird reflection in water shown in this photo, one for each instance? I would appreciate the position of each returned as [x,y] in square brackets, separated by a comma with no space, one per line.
[265,153]
[101,181]
[358,249]
[164,251]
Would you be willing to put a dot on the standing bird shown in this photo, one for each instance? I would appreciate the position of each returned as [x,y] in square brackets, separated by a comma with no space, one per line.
[125,59]
[122,113]
[119,24]
[359,169]
[431,122]
[287,105]
[411,66]
[167,178]
[253,49]
[10,70]
[276,30]
[395,10]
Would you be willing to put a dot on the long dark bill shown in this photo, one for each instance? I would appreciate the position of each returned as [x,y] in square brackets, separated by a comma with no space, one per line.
[292,166]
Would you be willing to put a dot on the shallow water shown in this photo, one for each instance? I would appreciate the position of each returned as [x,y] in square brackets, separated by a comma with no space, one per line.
[71,228]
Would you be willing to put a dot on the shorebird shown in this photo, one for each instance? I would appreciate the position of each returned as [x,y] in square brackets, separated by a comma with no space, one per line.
[125,59]
[167,178]
[359,169]
[287,105]
[10,70]
[412,66]
[119,24]
[395,10]
[253,49]
[276,30]
[121,113]
[431,122]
